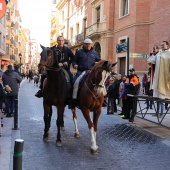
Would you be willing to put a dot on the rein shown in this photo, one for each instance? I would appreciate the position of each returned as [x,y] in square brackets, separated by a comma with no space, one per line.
[52,68]
[94,96]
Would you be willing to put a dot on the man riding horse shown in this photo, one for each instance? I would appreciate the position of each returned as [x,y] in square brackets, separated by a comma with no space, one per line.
[65,58]
[84,60]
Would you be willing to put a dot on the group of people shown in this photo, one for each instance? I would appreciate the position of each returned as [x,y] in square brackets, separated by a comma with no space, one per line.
[118,89]
[158,74]
[155,84]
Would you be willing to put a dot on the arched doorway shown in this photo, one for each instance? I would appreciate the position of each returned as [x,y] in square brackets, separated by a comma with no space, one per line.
[97,48]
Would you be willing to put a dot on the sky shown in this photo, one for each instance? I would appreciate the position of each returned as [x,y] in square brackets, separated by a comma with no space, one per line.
[35,16]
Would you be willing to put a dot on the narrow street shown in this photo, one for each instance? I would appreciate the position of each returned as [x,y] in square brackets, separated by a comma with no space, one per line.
[121,145]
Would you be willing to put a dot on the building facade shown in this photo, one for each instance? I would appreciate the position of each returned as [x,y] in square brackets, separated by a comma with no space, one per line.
[112,22]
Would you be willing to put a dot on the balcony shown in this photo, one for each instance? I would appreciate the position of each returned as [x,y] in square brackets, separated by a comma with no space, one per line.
[8,23]
[8,39]
[12,57]
[12,42]
[95,30]
[72,41]
[80,37]
[77,39]
[13,31]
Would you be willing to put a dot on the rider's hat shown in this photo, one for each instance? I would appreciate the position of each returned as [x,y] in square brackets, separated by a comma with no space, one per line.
[88,41]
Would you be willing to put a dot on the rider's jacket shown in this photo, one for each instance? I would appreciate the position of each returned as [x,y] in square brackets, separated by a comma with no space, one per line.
[65,56]
[85,59]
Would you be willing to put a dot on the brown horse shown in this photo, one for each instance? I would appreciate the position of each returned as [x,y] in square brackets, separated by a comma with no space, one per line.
[91,96]
[55,90]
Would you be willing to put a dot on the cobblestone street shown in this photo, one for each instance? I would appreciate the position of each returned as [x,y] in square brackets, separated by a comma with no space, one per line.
[122,146]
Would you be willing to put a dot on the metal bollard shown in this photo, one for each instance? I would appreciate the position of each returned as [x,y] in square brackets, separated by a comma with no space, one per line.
[17,157]
[16,114]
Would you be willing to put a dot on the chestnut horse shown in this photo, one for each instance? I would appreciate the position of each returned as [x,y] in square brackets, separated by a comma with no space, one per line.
[91,97]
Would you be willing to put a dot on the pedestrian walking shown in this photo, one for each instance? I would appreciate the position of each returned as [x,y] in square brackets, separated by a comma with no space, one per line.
[12,79]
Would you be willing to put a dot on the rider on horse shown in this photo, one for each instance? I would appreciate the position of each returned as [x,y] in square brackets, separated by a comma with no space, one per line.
[84,60]
[65,58]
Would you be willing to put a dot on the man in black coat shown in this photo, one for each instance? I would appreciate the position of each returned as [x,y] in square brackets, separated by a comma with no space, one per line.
[12,79]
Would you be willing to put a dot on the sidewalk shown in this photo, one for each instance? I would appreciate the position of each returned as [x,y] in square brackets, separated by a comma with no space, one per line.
[9,136]
[6,143]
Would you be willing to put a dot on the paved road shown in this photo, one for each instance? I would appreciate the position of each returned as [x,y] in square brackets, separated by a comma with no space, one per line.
[122,145]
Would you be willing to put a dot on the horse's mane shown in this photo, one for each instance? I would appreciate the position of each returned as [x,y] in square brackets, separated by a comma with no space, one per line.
[97,65]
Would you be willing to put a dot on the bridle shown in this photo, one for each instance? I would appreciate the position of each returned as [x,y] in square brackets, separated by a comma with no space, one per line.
[96,86]
[49,67]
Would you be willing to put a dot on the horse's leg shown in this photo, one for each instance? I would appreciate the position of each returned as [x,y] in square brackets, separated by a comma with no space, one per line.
[77,135]
[62,124]
[94,147]
[96,115]
[60,112]
[50,115]
[46,120]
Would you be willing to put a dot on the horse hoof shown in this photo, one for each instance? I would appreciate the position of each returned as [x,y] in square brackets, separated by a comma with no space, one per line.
[76,135]
[45,139]
[63,128]
[94,151]
[58,143]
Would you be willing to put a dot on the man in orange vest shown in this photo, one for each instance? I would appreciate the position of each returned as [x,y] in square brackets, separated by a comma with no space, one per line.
[131,85]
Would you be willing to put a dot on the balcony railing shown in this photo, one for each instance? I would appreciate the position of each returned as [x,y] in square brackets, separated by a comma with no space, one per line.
[72,41]
[80,37]
[96,29]
[92,29]
[77,39]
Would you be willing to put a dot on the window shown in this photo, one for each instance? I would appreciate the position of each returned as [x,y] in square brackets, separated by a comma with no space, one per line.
[124,8]
[122,41]
[77,29]
[71,7]
[63,15]
[71,32]
[98,14]
[84,24]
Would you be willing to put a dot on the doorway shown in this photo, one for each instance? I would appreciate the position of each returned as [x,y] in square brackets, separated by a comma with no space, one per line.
[122,65]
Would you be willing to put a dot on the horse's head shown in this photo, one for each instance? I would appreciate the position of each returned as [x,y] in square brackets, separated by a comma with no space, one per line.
[100,72]
[49,56]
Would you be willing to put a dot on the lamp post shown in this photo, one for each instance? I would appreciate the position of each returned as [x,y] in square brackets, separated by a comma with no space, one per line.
[20,56]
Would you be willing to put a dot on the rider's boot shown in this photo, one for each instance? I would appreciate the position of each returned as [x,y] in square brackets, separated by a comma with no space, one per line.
[39,94]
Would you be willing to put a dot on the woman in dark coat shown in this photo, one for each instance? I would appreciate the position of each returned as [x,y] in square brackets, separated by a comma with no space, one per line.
[113,94]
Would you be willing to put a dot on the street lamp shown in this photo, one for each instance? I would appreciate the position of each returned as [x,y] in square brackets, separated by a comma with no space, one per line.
[20,56]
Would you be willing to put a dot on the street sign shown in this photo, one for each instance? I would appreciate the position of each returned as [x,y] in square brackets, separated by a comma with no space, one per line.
[138,55]
[121,47]
[2,8]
